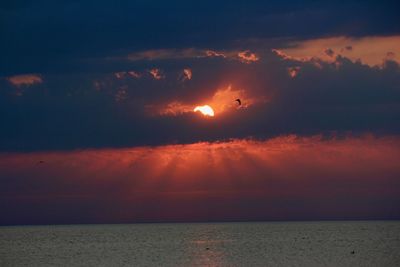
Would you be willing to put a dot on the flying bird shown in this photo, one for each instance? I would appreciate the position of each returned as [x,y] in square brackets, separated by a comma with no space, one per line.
[238,100]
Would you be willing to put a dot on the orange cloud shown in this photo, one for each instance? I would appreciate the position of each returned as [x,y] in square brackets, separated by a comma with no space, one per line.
[247,57]
[285,56]
[134,74]
[370,50]
[25,79]
[211,53]
[293,71]
[223,100]
[187,73]
[156,73]
[171,109]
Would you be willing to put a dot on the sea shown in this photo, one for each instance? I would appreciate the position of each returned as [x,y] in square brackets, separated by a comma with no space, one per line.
[361,243]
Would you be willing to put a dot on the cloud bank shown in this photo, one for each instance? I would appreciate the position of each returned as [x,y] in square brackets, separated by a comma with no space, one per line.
[142,105]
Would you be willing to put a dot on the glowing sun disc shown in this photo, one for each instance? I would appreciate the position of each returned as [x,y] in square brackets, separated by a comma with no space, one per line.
[206,110]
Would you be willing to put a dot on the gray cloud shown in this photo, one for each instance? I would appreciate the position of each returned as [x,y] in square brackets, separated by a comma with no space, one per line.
[47,36]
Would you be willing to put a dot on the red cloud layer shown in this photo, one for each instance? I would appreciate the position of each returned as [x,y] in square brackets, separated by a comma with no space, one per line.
[284,178]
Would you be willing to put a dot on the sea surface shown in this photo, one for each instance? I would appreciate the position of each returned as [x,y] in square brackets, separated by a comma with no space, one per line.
[374,243]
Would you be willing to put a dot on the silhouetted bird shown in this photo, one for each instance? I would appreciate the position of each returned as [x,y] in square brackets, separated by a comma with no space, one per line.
[352,252]
[238,100]
[40,162]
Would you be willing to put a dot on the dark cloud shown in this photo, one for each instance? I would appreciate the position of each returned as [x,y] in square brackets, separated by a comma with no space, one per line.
[45,36]
[103,110]
[329,52]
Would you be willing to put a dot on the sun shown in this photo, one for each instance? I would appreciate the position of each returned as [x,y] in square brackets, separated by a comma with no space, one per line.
[206,110]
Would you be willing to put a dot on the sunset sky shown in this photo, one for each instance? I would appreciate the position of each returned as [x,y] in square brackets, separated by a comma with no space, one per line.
[101,111]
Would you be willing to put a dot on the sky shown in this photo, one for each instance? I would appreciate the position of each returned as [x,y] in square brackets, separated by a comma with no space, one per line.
[97,117]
